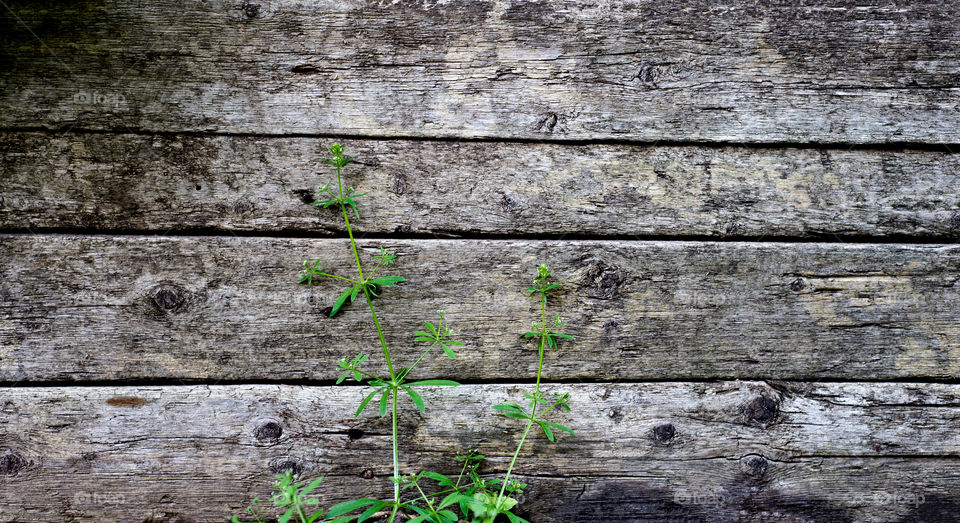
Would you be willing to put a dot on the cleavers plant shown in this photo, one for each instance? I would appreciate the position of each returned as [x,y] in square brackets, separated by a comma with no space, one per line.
[471,496]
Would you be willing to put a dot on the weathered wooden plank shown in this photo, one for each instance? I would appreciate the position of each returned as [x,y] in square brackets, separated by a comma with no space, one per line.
[733,450]
[163,183]
[102,307]
[647,70]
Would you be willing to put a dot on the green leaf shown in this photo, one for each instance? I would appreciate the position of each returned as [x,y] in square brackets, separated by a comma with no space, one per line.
[285,517]
[387,281]
[349,506]
[340,301]
[367,514]
[508,406]
[342,377]
[564,336]
[441,480]
[515,518]
[560,427]
[383,402]
[353,295]
[363,404]
[454,342]
[431,327]
[449,351]
[313,484]
[434,383]
[417,400]
[547,431]
[529,334]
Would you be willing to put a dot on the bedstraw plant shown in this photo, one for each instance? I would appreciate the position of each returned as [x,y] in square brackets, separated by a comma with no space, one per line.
[433,497]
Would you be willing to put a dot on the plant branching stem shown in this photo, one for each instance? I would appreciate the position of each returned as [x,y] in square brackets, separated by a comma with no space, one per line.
[383,343]
[536,396]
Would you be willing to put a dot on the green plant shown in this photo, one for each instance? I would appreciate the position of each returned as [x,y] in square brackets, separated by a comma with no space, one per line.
[292,496]
[387,388]
[486,507]
[474,496]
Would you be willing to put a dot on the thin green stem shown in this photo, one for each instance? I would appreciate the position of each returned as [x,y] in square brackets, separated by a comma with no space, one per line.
[337,277]
[374,272]
[462,470]
[551,408]
[513,461]
[425,498]
[396,461]
[536,395]
[410,369]
[383,341]
[367,374]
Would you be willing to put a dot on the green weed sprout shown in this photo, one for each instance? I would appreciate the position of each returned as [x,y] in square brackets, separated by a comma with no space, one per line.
[476,498]
[370,285]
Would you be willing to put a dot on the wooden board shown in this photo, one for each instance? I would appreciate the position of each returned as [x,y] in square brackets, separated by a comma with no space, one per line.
[563,69]
[843,451]
[226,183]
[211,308]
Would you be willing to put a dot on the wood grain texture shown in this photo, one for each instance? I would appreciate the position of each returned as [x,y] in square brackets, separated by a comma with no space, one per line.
[211,308]
[727,450]
[177,183]
[566,69]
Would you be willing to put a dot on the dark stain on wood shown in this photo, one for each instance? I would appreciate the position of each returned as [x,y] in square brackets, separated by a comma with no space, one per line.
[127,401]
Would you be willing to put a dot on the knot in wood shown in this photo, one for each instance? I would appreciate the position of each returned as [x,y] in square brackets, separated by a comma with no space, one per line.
[11,463]
[280,465]
[797,285]
[664,433]
[251,10]
[169,297]
[761,409]
[367,474]
[603,281]
[753,465]
[269,431]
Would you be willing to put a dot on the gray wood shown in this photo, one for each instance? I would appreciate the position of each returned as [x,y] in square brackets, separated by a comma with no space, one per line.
[169,183]
[564,69]
[737,450]
[212,308]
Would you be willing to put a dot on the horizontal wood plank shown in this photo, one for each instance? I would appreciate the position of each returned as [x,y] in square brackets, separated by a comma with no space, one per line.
[731,450]
[176,183]
[211,308]
[566,69]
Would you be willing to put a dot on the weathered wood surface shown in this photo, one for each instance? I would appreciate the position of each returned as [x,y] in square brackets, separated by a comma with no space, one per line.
[565,69]
[730,450]
[165,183]
[210,308]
